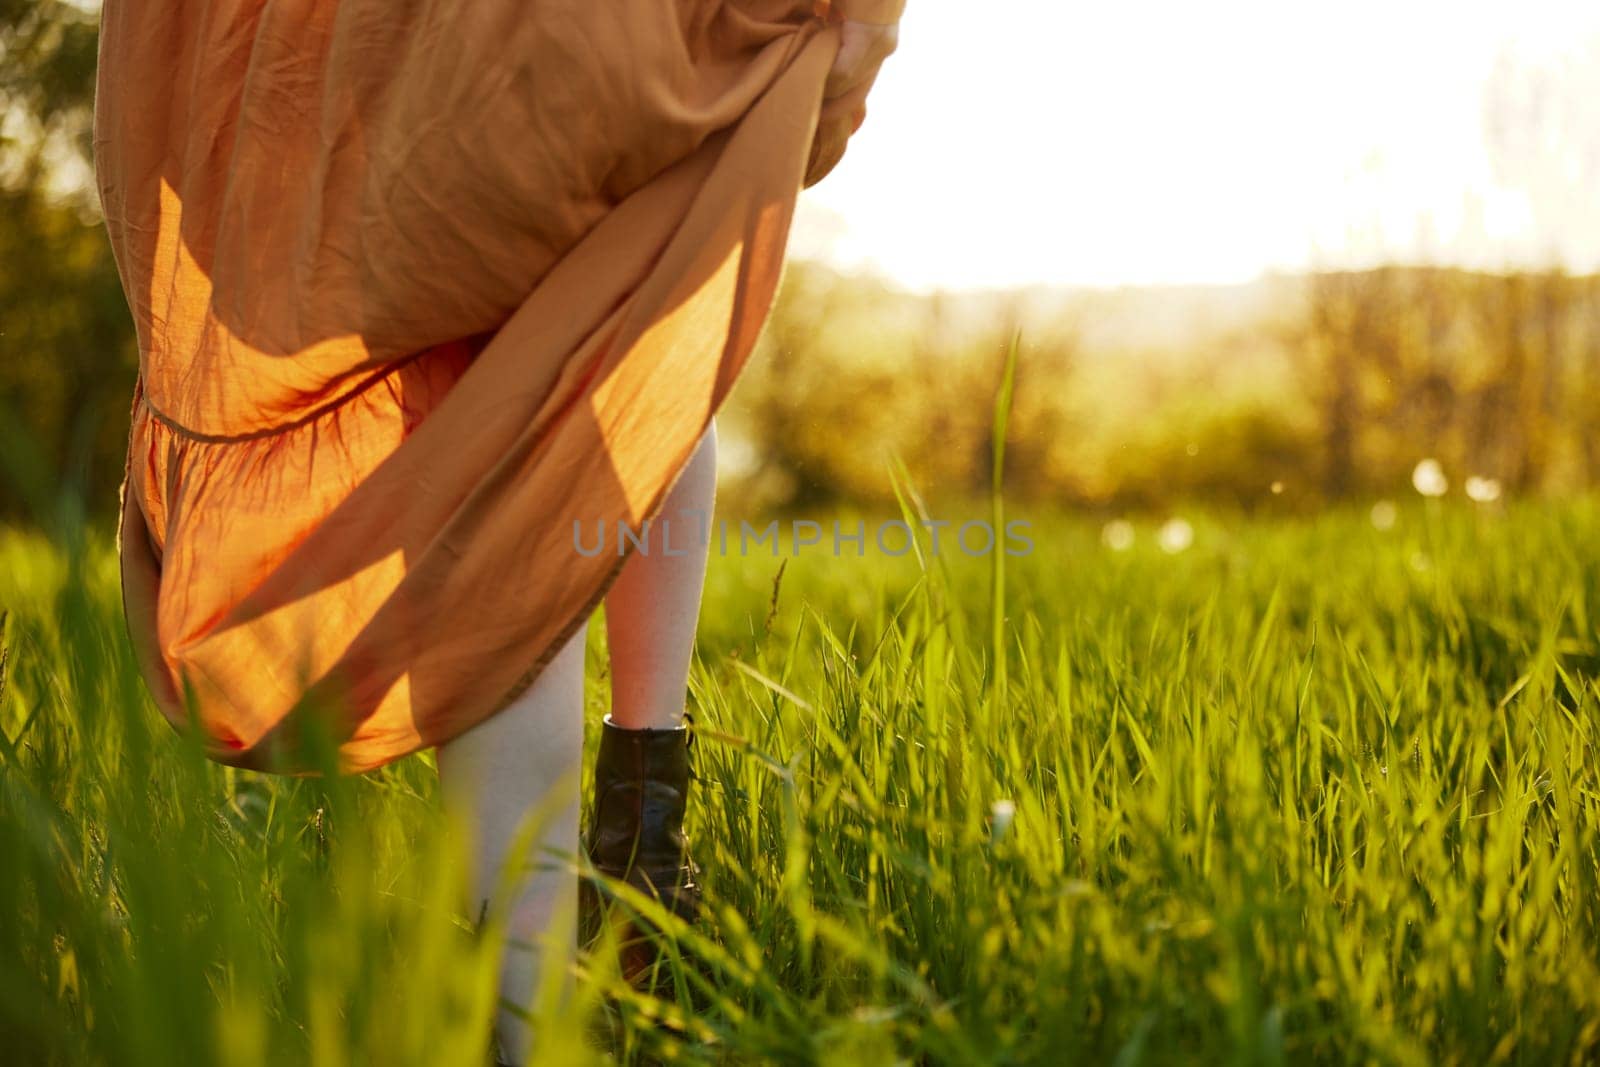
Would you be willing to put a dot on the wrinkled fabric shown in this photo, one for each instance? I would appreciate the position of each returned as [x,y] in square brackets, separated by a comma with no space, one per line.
[418,286]
[881,12]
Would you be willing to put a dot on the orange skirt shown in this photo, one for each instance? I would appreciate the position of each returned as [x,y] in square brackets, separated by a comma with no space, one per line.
[416,291]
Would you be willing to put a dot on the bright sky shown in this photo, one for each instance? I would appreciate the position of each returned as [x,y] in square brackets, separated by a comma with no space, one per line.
[1150,141]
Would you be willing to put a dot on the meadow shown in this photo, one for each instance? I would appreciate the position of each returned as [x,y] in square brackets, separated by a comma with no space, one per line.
[1306,790]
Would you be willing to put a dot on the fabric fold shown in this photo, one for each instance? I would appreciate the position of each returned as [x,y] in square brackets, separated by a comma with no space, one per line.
[325,531]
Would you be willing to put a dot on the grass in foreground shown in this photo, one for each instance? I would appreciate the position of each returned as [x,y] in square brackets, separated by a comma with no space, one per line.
[1306,790]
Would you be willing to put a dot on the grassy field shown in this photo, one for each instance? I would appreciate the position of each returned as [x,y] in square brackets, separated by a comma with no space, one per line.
[1306,790]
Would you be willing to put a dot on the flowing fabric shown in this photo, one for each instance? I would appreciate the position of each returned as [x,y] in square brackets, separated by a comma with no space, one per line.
[418,286]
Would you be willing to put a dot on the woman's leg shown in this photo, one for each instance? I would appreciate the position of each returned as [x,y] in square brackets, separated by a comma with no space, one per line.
[641,771]
[654,605]
[496,773]
[492,776]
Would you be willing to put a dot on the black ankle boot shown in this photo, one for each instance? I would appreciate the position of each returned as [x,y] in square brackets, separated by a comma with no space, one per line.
[641,786]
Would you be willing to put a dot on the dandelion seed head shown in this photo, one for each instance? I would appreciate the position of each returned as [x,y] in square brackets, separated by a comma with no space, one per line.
[1117,535]
[1384,515]
[1428,478]
[1483,490]
[1001,814]
[1175,536]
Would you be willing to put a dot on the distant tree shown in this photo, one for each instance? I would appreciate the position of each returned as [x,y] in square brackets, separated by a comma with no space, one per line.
[67,356]
[1342,311]
[47,67]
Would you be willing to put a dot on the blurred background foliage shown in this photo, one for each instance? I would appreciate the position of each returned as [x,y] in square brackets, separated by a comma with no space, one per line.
[67,352]
[1292,391]
[1289,392]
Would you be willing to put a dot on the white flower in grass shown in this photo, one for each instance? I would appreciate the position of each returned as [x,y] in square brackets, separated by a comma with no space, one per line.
[1384,515]
[1117,535]
[1001,814]
[1175,536]
[1428,478]
[1483,490]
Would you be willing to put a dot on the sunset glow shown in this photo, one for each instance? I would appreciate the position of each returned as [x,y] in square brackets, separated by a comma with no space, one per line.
[1154,141]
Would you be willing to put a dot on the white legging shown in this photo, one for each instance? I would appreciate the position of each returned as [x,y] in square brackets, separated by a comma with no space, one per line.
[529,755]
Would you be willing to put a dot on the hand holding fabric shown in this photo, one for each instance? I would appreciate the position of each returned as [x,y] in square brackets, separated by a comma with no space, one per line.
[868,34]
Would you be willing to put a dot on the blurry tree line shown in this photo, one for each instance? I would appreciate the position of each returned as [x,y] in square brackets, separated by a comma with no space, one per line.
[1335,387]
[1495,375]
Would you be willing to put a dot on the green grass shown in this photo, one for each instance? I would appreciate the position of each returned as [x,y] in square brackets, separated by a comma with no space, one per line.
[1307,790]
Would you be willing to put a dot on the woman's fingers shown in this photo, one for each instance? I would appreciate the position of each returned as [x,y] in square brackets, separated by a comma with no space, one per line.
[863,46]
